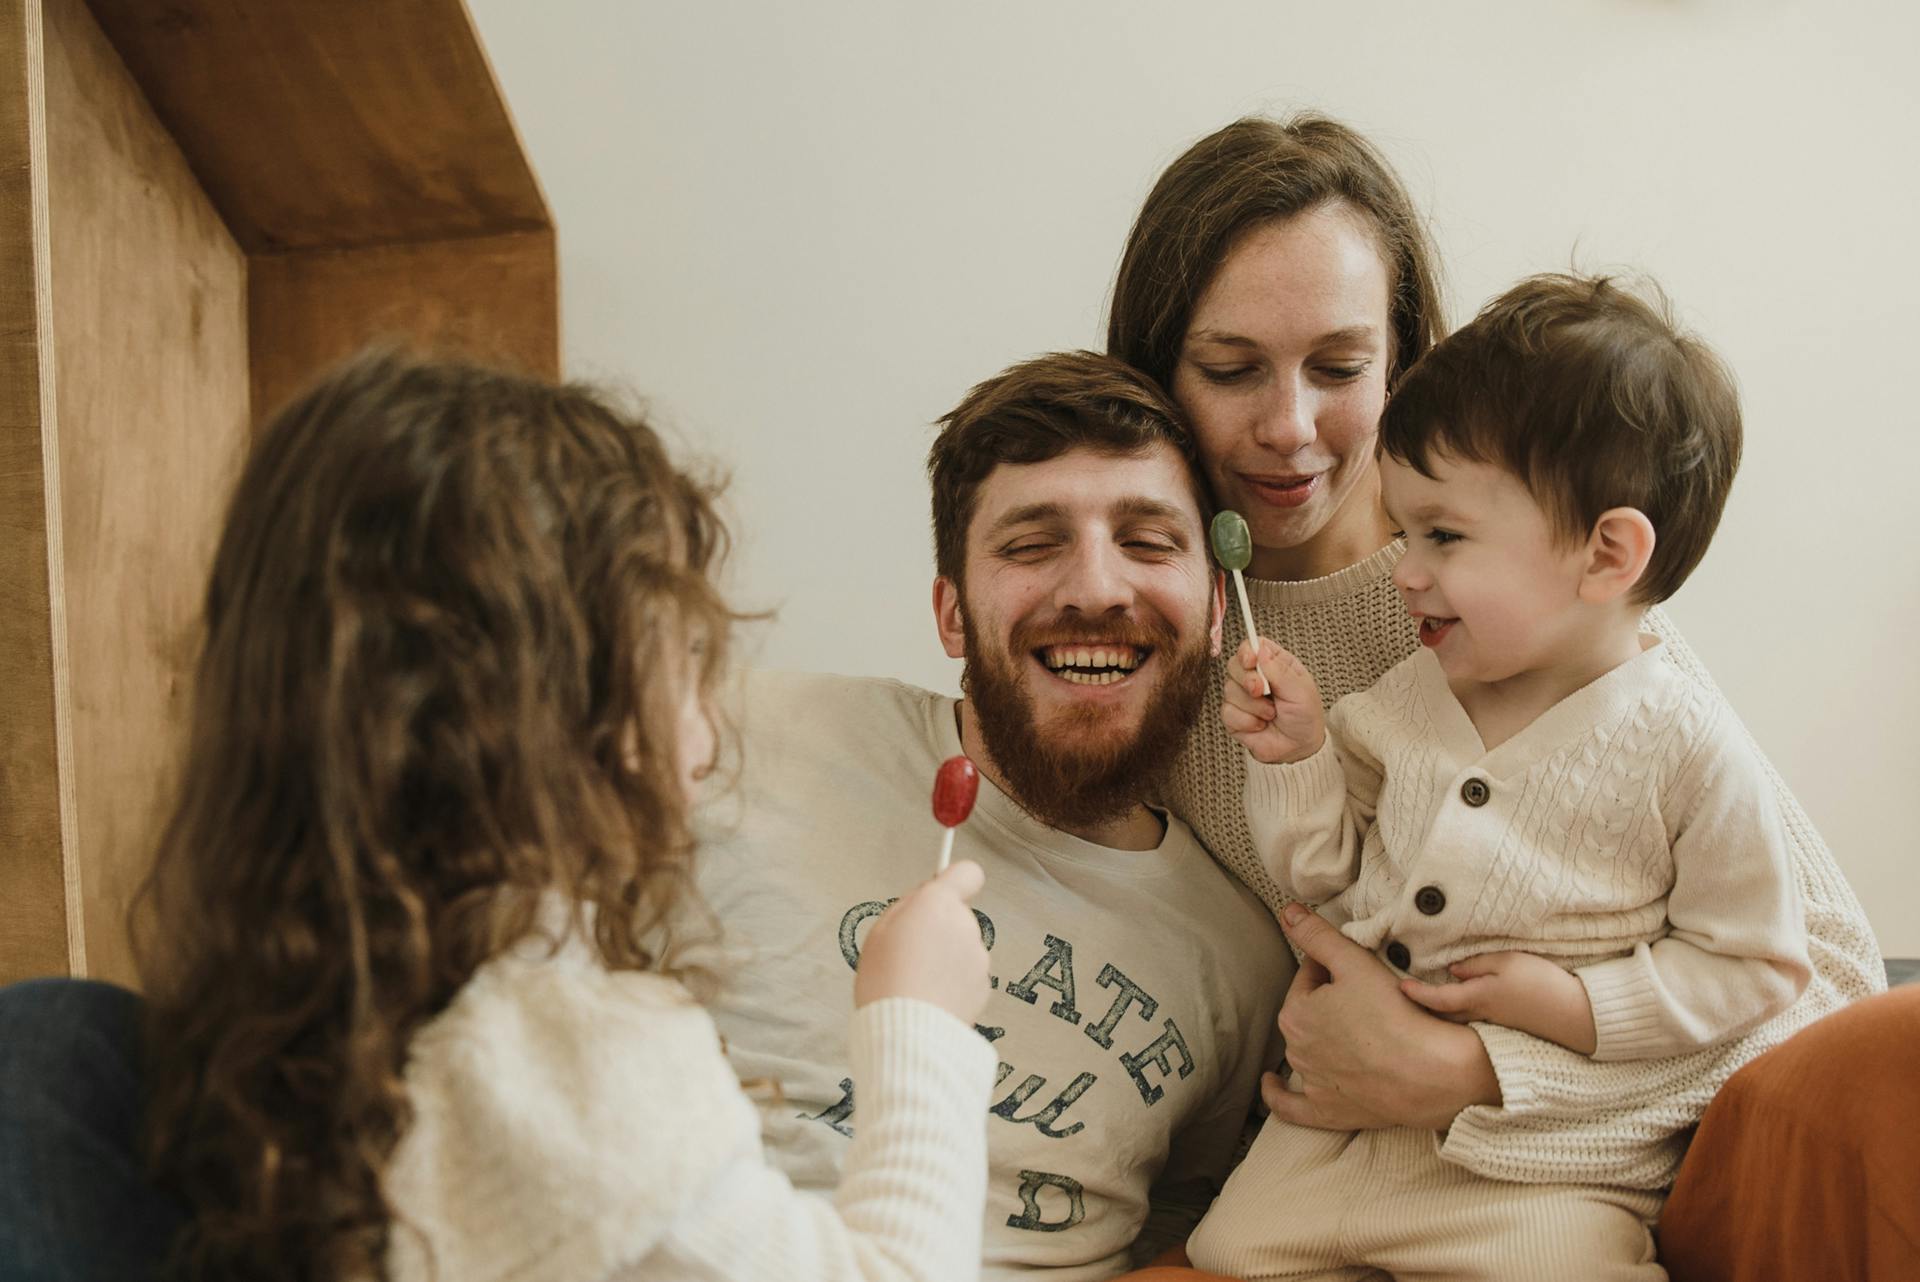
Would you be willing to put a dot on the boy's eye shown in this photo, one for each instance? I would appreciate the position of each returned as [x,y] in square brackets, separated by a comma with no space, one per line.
[1440,538]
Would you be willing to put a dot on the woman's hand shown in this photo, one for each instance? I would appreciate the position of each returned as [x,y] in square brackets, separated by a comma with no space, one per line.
[928,946]
[1363,1055]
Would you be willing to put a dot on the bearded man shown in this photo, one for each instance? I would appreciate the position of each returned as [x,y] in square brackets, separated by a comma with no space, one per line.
[1134,981]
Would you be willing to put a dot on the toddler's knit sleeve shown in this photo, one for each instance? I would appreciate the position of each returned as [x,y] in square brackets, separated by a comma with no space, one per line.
[1309,819]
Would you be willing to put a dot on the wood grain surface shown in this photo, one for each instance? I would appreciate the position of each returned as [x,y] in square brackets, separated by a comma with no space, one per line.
[493,298]
[316,123]
[149,320]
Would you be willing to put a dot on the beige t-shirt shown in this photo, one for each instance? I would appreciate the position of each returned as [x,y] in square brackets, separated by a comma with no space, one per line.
[1134,991]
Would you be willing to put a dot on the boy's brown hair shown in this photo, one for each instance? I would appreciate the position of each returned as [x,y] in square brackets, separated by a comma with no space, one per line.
[1038,410]
[1592,395]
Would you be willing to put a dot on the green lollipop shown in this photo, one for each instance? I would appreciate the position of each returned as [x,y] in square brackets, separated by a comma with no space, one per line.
[1232,541]
[1233,548]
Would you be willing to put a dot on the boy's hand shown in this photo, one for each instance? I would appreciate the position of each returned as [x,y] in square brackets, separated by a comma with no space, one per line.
[1516,990]
[1285,726]
[928,946]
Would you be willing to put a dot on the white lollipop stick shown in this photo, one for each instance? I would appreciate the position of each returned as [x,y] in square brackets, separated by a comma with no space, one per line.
[1246,617]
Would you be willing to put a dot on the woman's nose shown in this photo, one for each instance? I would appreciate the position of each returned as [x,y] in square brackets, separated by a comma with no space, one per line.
[1285,422]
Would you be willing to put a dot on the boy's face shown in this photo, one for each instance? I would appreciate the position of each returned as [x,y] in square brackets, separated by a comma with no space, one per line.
[1492,584]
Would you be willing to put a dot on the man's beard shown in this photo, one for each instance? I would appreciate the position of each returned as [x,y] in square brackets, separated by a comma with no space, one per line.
[1074,772]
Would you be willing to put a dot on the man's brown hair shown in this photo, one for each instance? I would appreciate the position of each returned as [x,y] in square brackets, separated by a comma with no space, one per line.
[1035,411]
[1592,396]
[1247,175]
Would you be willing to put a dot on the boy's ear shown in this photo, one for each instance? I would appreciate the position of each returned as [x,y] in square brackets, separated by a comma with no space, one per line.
[1617,550]
[946,617]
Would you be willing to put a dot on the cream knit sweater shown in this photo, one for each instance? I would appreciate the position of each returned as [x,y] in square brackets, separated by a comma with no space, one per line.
[575,1125]
[1629,833]
[1562,1117]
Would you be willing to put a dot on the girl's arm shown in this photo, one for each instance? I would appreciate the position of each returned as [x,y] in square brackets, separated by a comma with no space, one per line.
[911,1196]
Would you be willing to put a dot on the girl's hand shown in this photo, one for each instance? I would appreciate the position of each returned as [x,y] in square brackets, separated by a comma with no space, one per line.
[928,946]
[1285,726]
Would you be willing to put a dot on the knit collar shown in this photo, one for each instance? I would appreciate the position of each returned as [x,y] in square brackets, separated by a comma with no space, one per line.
[1597,703]
[1293,593]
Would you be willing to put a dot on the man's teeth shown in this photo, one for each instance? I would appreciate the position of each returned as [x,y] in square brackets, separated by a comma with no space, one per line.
[1092,665]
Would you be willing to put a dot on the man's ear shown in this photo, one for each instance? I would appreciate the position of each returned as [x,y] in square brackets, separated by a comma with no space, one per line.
[1217,626]
[946,617]
[1617,553]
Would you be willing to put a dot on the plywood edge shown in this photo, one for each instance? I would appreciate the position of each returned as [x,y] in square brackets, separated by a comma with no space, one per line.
[56,525]
[38,810]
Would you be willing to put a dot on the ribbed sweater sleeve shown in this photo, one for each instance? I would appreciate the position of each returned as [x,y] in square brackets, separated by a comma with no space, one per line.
[572,1124]
[1564,1117]
[911,1198]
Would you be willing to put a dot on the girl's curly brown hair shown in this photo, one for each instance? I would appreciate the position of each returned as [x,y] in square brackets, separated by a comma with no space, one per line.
[448,634]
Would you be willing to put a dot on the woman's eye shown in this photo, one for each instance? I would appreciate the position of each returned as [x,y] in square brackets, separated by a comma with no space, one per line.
[1225,374]
[1345,373]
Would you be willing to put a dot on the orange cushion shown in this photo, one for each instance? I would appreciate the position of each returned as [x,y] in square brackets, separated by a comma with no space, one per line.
[1807,1163]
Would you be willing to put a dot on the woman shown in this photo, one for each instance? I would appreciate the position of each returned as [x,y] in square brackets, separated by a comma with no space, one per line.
[1278,282]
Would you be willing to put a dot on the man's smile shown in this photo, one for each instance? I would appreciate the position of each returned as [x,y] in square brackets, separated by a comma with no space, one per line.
[1096,664]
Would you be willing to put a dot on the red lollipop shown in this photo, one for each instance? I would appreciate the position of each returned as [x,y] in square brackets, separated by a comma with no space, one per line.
[954,789]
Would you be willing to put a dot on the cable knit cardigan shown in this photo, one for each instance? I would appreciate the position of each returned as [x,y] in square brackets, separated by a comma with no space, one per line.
[1562,1117]
[1628,833]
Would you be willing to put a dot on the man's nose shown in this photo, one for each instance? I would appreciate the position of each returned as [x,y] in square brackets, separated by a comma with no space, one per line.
[1285,422]
[1095,581]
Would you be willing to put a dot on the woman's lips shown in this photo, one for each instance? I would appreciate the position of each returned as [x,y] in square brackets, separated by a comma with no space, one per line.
[1282,491]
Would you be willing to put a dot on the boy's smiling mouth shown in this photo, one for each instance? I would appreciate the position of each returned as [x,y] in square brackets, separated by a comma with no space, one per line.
[1434,630]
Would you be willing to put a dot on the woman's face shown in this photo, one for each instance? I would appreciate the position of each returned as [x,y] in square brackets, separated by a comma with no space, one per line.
[1284,374]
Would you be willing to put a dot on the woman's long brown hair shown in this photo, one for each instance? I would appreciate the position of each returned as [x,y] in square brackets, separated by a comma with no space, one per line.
[447,643]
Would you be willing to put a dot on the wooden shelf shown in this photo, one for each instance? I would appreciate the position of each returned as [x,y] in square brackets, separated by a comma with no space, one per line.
[202,204]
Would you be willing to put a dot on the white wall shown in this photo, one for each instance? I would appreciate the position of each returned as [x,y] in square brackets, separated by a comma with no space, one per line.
[803,230]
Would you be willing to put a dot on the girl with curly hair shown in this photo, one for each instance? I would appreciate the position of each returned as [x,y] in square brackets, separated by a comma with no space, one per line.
[415,1010]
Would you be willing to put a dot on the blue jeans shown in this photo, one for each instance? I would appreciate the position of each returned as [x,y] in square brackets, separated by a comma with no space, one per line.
[75,1202]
